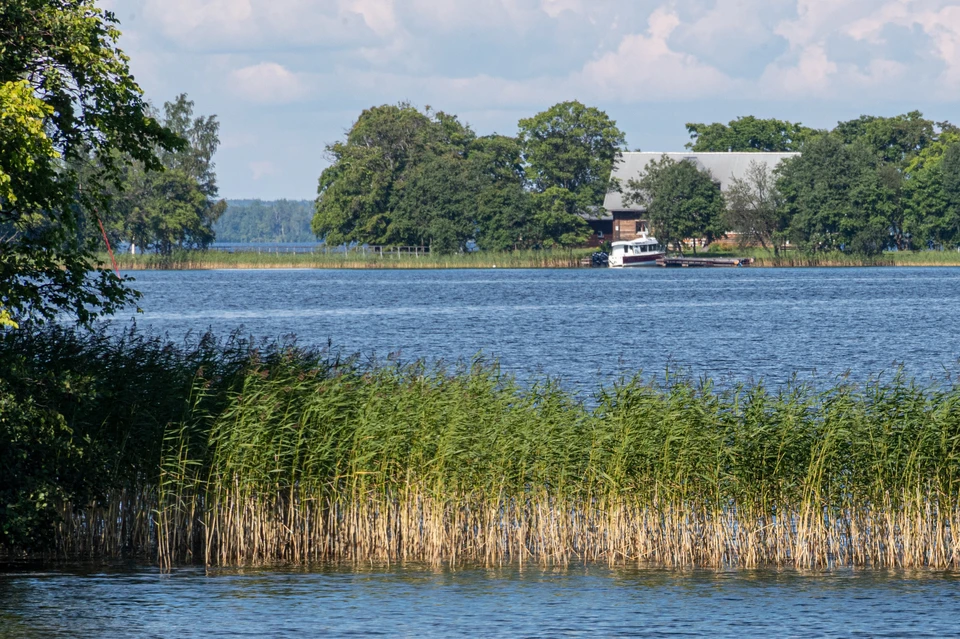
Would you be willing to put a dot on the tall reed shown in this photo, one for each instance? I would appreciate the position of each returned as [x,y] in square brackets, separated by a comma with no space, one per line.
[303,457]
[187,260]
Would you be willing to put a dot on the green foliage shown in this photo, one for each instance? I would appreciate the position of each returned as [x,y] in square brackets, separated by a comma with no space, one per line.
[357,257]
[403,177]
[503,207]
[264,222]
[682,201]
[361,197]
[835,198]
[893,139]
[82,414]
[872,183]
[931,198]
[6,321]
[40,468]
[176,207]
[438,204]
[572,147]
[569,150]
[232,454]
[66,94]
[748,133]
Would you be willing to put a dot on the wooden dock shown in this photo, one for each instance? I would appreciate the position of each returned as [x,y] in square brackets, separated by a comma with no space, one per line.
[703,262]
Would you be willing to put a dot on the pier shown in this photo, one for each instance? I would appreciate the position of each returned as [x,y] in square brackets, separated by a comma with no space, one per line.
[701,262]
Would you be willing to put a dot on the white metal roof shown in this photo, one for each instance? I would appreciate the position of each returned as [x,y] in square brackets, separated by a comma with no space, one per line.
[723,166]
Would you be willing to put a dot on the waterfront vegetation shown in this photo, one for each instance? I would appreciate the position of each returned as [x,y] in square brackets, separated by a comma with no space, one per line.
[354,259]
[239,453]
[787,259]
[547,258]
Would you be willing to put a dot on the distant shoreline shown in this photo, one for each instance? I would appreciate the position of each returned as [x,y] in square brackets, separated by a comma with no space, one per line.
[552,259]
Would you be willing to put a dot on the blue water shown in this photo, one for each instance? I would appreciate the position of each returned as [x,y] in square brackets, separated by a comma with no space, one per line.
[503,602]
[590,326]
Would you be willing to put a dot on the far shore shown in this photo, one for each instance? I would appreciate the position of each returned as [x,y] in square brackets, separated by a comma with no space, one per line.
[554,259]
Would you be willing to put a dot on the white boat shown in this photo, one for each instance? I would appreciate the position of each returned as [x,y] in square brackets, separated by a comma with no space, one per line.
[643,251]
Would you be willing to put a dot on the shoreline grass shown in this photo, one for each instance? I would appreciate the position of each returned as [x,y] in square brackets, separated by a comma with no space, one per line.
[212,260]
[795,259]
[234,453]
[196,260]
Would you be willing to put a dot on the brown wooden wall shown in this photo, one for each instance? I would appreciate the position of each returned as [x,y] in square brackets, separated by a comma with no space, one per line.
[628,225]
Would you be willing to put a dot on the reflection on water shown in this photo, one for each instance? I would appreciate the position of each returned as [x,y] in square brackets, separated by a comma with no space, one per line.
[510,601]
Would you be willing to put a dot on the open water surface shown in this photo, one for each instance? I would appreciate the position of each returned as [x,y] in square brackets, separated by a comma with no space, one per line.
[591,326]
[503,602]
[588,327]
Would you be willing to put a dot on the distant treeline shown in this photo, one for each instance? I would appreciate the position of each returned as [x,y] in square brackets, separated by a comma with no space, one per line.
[868,184]
[270,221]
[412,178]
[406,177]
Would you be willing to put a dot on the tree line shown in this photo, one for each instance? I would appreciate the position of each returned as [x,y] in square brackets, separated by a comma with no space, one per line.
[423,178]
[867,185]
[173,206]
[255,221]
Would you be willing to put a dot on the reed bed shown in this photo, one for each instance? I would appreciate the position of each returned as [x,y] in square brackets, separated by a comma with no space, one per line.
[286,456]
[197,260]
[797,259]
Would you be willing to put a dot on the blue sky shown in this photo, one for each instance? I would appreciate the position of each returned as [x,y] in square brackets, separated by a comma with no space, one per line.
[286,77]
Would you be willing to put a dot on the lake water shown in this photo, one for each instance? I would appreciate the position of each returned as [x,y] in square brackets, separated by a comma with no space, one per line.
[587,326]
[503,602]
[590,326]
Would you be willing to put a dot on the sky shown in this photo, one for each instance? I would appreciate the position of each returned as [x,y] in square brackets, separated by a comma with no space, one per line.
[287,77]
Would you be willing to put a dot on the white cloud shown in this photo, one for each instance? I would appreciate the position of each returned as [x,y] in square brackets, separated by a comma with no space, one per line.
[206,25]
[267,83]
[229,140]
[810,76]
[554,8]
[502,59]
[261,169]
[379,15]
[644,67]
[939,19]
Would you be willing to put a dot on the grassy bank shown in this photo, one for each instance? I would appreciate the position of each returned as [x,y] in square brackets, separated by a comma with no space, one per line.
[794,259]
[231,454]
[190,260]
[185,260]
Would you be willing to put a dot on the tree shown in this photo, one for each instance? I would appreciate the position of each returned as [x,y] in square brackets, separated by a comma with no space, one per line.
[66,95]
[178,206]
[360,194]
[753,207]
[748,133]
[682,200]
[437,205]
[834,197]
[932,193]
[893,139]
[569,151]
[503,206]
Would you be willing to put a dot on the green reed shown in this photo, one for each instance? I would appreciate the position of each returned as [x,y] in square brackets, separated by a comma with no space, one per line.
[793,259]
[355,259]
[282,455]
